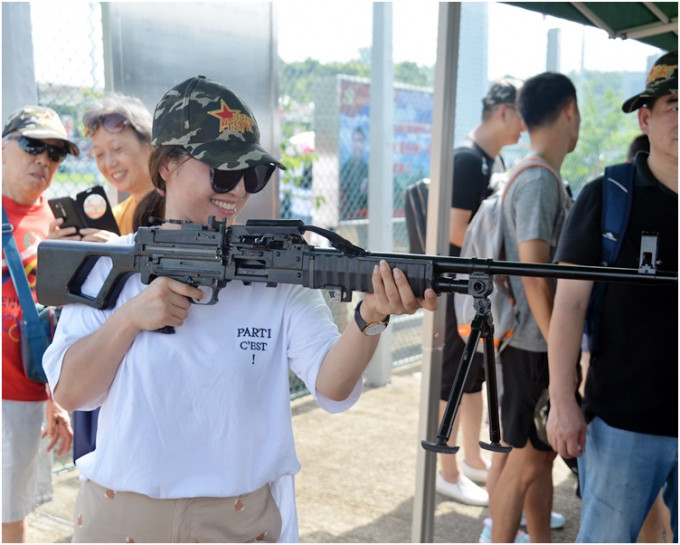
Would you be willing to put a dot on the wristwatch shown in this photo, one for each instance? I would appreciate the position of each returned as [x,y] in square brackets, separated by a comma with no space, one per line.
[374,328]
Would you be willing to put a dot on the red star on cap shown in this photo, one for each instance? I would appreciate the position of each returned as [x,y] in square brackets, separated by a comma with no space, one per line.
[224,114]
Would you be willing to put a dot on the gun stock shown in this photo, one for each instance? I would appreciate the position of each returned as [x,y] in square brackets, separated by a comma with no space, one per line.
[65,266]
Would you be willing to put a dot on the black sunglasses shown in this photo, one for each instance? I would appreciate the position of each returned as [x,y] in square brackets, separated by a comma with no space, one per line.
[255,178]
[35,147]
[112,123]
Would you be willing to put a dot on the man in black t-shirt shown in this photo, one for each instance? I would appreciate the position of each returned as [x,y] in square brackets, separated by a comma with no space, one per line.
[626,442]
[475,160]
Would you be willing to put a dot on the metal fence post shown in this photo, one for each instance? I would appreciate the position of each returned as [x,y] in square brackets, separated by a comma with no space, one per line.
[380,204]
[441,175]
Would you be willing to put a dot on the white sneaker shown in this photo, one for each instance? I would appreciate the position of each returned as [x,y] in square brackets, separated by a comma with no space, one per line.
[464,491]
[474,474]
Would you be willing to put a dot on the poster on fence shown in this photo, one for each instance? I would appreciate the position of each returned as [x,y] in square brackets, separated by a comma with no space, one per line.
[411,143]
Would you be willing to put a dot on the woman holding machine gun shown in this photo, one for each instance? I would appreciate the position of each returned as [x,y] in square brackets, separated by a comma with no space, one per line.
[195,434]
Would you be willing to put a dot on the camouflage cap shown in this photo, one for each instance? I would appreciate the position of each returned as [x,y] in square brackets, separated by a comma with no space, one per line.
[212,123]
[39,122]
[661,80]
[503,91]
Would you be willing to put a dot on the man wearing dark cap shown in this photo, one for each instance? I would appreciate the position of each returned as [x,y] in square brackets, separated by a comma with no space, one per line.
[626,438]
[475,160]
[34,143]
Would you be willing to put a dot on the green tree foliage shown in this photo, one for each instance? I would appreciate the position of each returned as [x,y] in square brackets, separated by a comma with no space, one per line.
[605,132]
[295,78]
[413,74]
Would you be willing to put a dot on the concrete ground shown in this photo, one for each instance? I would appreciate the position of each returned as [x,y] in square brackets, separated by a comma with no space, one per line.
[357,479]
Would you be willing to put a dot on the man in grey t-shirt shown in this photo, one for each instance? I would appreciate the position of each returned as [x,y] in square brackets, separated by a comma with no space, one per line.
[534,210]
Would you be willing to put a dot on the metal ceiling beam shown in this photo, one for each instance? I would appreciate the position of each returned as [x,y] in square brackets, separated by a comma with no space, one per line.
[652,29]
[588,14]
[665,24]
[660,15]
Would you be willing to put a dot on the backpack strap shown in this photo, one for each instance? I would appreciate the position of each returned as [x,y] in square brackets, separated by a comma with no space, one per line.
[531,162]
[617,202]
[617,193]
[33,329]
[525,164]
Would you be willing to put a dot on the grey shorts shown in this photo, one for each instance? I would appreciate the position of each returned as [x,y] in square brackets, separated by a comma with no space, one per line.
[24,470]
[106,516]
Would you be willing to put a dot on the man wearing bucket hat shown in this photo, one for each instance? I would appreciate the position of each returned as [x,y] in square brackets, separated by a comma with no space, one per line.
[34,143]
[195,435]
[626,437]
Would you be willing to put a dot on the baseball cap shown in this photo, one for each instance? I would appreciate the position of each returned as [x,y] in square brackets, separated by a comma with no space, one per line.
[661,80]
[503,91]
[39,122]
[212,123]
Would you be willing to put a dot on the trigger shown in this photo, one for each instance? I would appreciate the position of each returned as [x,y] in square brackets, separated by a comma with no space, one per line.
[212,294]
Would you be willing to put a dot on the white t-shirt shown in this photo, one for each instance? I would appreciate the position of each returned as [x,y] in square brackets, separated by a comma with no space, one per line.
[205,411]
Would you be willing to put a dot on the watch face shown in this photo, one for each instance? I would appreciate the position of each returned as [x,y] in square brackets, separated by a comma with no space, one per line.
[375,329]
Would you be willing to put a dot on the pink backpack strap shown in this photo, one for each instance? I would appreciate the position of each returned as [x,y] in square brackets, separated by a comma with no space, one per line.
[531,162]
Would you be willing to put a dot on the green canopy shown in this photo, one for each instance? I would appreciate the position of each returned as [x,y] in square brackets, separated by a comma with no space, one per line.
[654,23]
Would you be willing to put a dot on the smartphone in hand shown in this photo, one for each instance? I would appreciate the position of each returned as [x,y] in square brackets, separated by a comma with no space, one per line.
[89,208]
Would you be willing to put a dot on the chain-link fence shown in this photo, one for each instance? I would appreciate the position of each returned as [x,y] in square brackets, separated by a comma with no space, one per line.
[325,119]
[69,76]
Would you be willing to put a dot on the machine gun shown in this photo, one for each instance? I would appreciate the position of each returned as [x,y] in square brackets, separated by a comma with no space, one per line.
[275,251]
[272,252]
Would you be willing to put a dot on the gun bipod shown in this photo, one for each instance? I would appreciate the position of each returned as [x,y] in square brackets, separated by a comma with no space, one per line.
[479,286]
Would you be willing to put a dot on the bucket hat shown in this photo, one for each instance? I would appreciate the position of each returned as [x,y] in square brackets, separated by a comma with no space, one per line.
[661,80]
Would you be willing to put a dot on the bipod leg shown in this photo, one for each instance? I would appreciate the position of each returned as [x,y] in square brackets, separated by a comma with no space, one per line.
[456,394]
[491,392]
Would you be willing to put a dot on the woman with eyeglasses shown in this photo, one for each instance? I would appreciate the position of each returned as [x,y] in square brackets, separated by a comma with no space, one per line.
[120,129]
[195,435]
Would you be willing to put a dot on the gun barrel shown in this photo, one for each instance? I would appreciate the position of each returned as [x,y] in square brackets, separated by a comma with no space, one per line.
[464,265]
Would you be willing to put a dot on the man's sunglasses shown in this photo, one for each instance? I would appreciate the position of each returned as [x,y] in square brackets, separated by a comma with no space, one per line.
[35,147]
[255,178]
[112,123]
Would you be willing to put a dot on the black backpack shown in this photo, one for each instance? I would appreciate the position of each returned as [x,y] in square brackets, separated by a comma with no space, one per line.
[415,212]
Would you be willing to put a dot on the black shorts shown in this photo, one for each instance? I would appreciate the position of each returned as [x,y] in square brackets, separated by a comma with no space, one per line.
[525,376]
[453,352]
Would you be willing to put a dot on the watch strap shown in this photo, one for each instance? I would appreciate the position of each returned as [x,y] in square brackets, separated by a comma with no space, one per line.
[361,323]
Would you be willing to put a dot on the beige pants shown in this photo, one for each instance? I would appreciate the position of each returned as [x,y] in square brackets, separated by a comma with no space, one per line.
[105,516]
